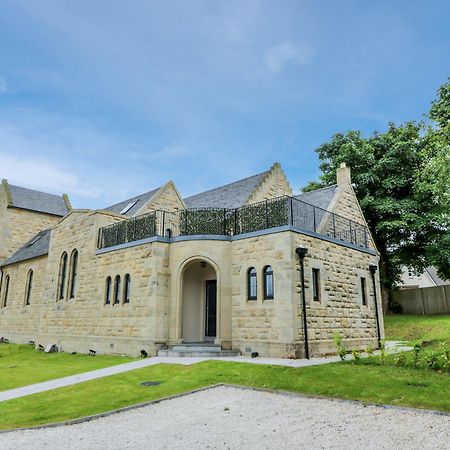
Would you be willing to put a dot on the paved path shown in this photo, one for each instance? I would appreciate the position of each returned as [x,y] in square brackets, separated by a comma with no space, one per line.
[392,346]
[231,418]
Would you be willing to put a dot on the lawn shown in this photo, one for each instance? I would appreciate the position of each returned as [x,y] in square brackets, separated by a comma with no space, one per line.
[367,381]
[22,364]
[377,384]
[431,330]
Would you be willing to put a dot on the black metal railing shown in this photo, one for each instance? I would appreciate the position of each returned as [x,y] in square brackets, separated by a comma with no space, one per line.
[263,215]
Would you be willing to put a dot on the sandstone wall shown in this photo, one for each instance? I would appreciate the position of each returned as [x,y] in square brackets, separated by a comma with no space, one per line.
[20,322]
[275,184]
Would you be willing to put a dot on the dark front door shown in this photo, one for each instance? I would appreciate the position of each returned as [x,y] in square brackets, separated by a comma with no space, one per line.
[211,309]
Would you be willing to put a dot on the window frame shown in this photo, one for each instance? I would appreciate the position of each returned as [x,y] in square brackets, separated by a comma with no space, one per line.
[316,285]
[268,272]
[126,289]
[62,276]
[116,294]
[251,273]
[29,287]
[363,284]
[108,290]
[6,291]
[73,274]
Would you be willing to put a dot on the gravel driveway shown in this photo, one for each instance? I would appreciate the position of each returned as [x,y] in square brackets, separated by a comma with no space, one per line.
[233,418]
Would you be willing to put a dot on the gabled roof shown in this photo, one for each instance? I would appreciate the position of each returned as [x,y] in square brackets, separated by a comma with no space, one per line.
[432,271]
[231,195]
[24,198]
[320,197]
[135,203]
[37,246]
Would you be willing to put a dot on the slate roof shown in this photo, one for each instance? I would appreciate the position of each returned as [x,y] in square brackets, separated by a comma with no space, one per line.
[140,200]
[320,197]
[231,195]
[37,246]
[37,201]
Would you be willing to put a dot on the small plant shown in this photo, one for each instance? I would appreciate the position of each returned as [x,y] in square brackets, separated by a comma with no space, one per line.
[432,360]
[417,350]
[341,350]
[400,360]
[383,352]
[445,355]
[369,350]
[356,355]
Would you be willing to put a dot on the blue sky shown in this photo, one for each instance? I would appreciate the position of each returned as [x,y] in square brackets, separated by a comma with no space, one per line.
[106,99]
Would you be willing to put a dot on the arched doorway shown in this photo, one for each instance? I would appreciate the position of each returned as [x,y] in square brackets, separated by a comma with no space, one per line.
[199,302]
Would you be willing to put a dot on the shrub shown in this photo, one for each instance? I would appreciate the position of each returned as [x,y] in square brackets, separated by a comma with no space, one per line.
[369,350]
[432,360]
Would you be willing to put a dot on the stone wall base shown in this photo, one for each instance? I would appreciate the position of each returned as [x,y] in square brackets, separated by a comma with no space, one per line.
[101,344]
[318,348]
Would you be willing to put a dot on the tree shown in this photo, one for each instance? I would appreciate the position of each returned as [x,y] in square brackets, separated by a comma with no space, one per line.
[401,178]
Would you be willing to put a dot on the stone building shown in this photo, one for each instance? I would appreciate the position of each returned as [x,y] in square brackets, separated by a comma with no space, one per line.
[246,267]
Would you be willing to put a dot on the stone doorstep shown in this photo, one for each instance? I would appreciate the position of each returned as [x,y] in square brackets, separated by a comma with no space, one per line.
[200,349]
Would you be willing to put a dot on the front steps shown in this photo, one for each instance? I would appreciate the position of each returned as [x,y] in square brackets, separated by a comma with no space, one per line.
[201,349]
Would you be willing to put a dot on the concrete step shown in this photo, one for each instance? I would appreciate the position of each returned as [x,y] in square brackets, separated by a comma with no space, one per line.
[196,348]
[193,354]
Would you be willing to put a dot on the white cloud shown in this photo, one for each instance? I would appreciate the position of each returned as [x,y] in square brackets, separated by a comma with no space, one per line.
[286,52]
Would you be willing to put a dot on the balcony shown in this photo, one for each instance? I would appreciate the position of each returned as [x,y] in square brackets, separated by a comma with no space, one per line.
[277,212]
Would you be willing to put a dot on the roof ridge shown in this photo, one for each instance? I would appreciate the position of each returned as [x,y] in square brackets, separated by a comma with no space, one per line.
[229,184]
[35,190]
[319,189]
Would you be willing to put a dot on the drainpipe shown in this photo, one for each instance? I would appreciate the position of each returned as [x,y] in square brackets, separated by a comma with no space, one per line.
[373,269]
[301,252]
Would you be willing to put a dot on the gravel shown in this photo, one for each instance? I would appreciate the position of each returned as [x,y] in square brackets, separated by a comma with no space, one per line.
[233,418]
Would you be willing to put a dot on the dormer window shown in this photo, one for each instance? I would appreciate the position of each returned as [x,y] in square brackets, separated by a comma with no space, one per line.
[128,207]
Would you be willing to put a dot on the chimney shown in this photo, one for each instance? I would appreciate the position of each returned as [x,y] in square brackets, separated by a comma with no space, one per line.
[343,175]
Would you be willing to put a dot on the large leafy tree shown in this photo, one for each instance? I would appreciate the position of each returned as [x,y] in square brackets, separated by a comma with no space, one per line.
[401,178]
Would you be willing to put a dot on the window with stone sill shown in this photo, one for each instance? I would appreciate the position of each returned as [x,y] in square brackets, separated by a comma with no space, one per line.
[28,287]
[117,290]
[251,284]
[108,289]
[62,276]
[268,283]
[126,288]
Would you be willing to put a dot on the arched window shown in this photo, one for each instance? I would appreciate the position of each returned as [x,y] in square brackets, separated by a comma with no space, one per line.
[126,288]
[29,287]
[62,276]
[73,273]
[268,283]
[168,232]
[117,290]
[108,291]
[5,292]
[251,284]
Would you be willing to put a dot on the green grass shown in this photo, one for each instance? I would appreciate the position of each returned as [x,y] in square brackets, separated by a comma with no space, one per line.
[376,384]
[367,381]
[429,329]
[21,365]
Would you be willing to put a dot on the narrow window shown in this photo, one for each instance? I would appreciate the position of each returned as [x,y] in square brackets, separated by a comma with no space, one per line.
[251,283]
[168,232]
[268,283]
[62,276]
[29,287]
[126,288]
[5,293]
[73,273]
[363,291]
[108,291]
[316,284]
[117,290]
